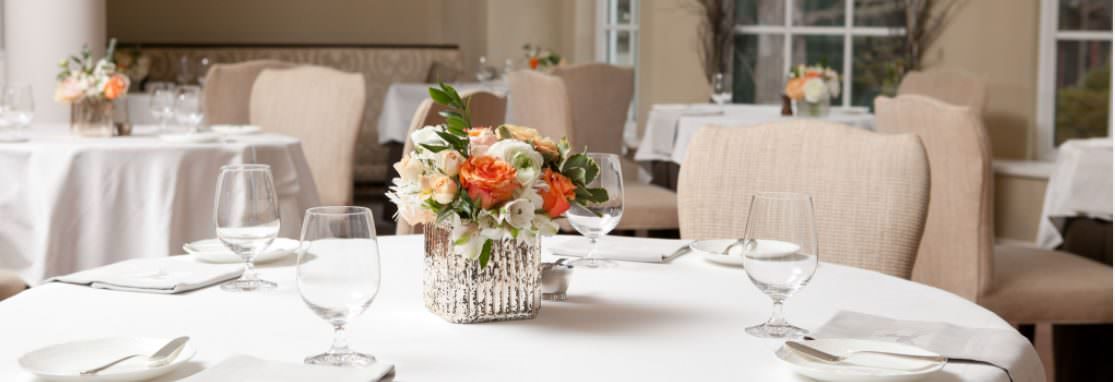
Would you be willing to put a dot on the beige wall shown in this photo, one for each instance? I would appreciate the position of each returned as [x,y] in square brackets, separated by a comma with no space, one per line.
[669,68]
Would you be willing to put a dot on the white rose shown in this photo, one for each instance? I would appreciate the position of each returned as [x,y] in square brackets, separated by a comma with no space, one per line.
[815,89]
[427,136]
[449,162]
[521,156]
[519,213]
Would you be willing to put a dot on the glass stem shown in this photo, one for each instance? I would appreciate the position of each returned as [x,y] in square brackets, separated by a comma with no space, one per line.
[592,249]
[776,318]
[249,271]
[340,340]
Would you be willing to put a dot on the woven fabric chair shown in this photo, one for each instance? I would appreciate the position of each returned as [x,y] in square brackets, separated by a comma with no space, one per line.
[540,101]
[322,107]
[870,191]
[228,88]
[952,87]
[958,254]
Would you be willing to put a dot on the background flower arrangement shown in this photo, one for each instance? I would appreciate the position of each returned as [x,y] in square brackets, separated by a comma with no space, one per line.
[540,58]
[83,79]
[488,183]
[813,84]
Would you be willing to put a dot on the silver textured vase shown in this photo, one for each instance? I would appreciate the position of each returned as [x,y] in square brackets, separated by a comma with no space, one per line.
[458,290]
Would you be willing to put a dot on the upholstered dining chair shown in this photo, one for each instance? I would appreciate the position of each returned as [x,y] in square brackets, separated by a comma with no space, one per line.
[322,107]
[10,284]
[485,108]
[599,97]
[228,88]
[870,191]
[958,253]
[540,101]
[953,87]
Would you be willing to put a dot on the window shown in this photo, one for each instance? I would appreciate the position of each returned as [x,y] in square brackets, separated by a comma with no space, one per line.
[1074,77]
[617,42]
[860,39]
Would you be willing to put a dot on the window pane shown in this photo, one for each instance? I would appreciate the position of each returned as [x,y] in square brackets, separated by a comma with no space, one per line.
[880,13]
[819,12]
[757,69]
[824,50]
[760,12]
[1083,89]
[622,12]
[1084,15]
[622,48]
[876,68]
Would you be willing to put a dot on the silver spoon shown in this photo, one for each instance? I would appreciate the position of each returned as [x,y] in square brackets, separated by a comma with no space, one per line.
[163,356]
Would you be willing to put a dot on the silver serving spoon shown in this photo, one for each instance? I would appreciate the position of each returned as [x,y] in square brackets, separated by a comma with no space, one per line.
[163,356]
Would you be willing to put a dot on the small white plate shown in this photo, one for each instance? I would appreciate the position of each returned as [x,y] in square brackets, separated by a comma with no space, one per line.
[713,250]
[863,367]
[190,137]
[63,362]
[235,129]
[212,251]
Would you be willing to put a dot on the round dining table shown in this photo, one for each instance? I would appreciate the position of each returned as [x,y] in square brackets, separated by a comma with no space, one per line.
[69,203]
[681,320]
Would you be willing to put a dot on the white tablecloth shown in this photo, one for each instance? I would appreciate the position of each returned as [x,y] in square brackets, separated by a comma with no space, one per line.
[402,100]
[682,321]
[1080,186]
[70,203]
[671,127]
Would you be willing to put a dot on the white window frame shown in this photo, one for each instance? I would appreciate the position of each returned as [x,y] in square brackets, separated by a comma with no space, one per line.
[788,30]
[605,49]
[1047,74]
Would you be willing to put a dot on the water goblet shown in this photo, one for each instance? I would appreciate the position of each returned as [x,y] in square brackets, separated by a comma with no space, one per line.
[247,217]
[594,220]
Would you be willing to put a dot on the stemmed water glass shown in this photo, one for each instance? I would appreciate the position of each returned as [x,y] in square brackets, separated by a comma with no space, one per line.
[18,106]
[779,250]
[721,90]
[162,105]
[247,214]
[594,220]
[338,274]
[187,107]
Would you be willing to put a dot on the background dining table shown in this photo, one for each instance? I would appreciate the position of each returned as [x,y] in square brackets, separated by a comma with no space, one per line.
[682,320]
[71,203]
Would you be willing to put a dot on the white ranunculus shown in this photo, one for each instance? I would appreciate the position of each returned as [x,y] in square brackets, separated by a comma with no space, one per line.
[519,213]
[465,241]
[521,156]
[815,89]
[427,136]
[545,225]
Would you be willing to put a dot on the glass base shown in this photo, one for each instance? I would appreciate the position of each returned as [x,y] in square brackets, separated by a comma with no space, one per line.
[593,262]
[241,285]
[349,359]
[777,331]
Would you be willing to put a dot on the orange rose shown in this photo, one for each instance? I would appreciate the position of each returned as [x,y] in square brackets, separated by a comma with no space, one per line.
[795,88]
[534,63]
[488,179]
[555,199]
[116,86]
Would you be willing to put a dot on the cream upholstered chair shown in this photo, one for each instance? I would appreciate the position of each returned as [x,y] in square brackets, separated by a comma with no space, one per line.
[599,97]
[540,101]
[958,254]
[10,284]
[953,87]
[486,109]
[228,88]
[870,191]
[322,107]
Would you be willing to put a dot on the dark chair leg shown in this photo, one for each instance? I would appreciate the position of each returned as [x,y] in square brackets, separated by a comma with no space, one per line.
[1027,331]
[1082,352]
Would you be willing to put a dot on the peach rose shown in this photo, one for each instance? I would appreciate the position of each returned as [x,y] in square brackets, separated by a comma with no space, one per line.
[116,86]
[489,180]
[480,139]
[556,197]
[795,88]
[442,188]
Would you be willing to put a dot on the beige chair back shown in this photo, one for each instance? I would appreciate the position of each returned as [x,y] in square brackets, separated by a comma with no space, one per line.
[322,107]
[600,96]
[228,88]
[540,101]
[956,249]
[487,109]
[870,191]
[953,87]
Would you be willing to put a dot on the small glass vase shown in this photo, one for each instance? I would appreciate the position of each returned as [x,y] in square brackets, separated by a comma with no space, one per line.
[817,109]
[458,290]
[92,118]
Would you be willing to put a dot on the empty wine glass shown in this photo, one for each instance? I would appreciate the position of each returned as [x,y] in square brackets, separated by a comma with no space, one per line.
[594,220]
[187,107]
[203,65]
[338,274]
[162,105]
[19,106]
[721,90]
[483,71]
[247,214]
[779,250]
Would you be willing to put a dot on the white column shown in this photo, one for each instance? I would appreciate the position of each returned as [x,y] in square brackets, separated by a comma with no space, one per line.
[39,33]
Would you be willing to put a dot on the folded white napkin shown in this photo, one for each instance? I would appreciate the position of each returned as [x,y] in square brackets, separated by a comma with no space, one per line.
[1006,349]
[173,274]
[249,369]
[616,248]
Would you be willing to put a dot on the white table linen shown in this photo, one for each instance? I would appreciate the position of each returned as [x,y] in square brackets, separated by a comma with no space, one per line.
[71,203]
[246,368]
[175,274]
[402,100]
[671,127]
[1080,186]
[637,322]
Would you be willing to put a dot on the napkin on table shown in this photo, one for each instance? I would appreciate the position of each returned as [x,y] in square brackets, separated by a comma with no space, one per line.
[249,369]
[1006,349]
[616,248]
[173,274]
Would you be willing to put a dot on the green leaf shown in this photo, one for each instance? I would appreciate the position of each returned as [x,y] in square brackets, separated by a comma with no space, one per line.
[434,149]
[449,113]
[486,253]
[456,123]
[454,97]
[503,132]
[575,174]
[440,96]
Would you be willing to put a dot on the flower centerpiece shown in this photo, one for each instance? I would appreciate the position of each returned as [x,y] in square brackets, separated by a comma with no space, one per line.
[540,58]
[812,88]
[485,196]
[90,87]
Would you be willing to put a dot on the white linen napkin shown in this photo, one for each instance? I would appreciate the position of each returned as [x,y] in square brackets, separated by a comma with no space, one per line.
[1006,349]
[616,248]
[250,369]
[173,274]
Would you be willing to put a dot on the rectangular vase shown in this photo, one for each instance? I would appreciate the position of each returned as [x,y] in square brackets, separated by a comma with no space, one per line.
[92,118]
[460,291]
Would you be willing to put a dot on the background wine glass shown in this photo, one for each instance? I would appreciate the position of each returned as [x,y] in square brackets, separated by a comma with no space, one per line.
[779,252]
[247,214]
[203,65]
[162,105]
[721,90]
[19,106]
[187,108]
[338,274]
[597,219]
